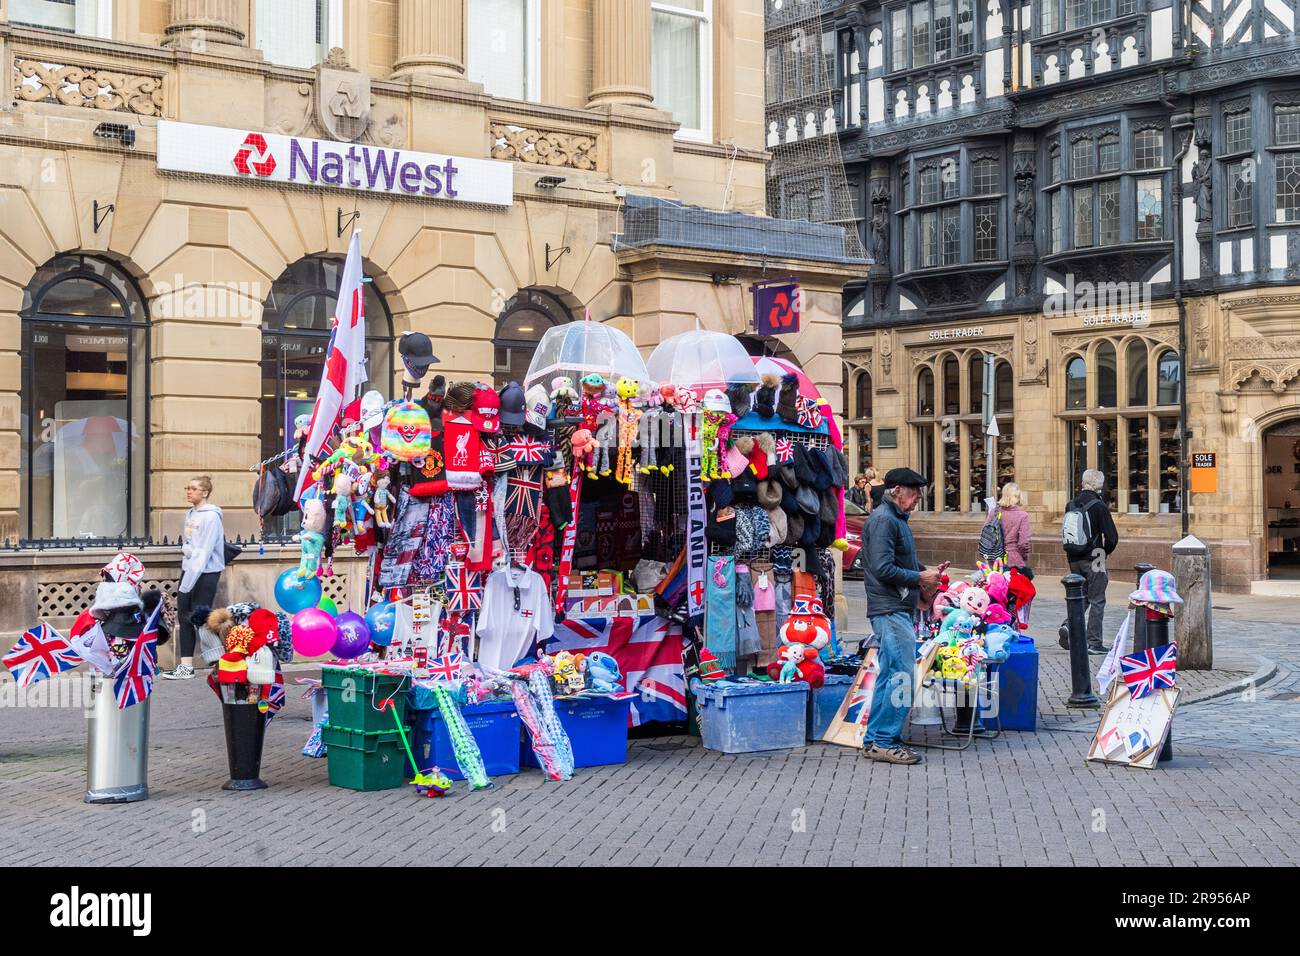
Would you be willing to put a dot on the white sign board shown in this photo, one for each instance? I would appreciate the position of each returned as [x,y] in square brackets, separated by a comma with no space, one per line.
[355,167]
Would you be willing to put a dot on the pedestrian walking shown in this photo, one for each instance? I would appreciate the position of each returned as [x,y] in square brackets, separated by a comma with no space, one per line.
[1088,536]
[895,580]
[203,558]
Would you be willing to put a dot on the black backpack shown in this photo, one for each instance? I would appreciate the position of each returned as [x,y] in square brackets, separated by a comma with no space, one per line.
[993,543]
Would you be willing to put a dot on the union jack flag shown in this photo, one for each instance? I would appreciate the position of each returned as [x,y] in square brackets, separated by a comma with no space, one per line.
[275,697]
[447,668]
[859,708]
[464,590]
[1150,670]
[784,450]
[40,653]
[809,415]
[649,655]
[527,450]
[133,681]
[523,494]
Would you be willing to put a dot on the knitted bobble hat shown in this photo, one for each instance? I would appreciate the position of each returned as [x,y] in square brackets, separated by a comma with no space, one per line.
[765,397]
[739,396]
[785,403]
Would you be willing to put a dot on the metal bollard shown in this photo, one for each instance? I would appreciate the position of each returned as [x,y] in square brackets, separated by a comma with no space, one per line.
[1081,694]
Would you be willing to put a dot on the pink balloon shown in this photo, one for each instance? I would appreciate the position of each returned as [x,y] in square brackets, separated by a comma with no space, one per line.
[314,632]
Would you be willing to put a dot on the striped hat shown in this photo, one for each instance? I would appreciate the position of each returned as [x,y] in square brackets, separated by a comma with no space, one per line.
[232,668]
[1156,587]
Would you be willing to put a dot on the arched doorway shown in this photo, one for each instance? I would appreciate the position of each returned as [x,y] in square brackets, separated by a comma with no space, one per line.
[85,412]
[296,321]
[1281,450]
[523,322]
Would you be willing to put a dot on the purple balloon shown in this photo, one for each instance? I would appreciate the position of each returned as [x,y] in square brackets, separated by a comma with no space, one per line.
[354,636]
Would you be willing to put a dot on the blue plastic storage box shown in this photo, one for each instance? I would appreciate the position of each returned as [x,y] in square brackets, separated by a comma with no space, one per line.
[1017,684]
[597,729]
[495,726]
[741,718]
[824,702]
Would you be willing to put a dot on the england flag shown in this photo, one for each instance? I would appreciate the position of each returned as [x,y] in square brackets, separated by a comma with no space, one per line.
[345,370]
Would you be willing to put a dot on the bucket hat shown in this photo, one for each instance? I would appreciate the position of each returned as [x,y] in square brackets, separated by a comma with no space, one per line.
[1156,587]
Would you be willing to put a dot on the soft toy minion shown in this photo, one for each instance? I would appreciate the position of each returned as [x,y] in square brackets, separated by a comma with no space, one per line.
[407,433]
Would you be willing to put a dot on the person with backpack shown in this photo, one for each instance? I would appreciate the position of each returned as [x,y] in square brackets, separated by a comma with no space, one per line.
[1006,534]
[1088,536]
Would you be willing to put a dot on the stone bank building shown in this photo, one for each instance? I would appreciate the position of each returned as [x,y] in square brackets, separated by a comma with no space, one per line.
[1103,196]
[169,256]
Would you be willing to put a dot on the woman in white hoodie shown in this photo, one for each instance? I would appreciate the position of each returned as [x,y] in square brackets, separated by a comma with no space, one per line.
[203,558]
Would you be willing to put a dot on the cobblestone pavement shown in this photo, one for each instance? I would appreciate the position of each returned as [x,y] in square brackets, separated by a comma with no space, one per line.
[1229,797]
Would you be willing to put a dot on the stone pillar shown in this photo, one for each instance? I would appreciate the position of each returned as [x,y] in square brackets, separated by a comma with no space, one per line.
[431,38]
[620,52]
[212,21]
[1193,624]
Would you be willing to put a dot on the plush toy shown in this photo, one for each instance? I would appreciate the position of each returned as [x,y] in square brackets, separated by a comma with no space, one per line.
[593,400]
[975,601]
[606,439]
[629,421]
[584,448]
[603,673]
[661,428]
[407,433]
[790,657]
[383,499]
[342,500]
[567,673]
[710,437]
[805,631]
[564,396]
[958,625]
[311,538]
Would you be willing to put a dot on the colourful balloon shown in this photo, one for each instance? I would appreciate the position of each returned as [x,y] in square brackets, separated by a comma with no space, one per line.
[328,606]
[314,632]
[382,619]
[353,636]
[294,593]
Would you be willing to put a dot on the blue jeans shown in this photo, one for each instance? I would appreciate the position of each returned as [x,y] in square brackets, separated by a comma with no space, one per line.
[892,697]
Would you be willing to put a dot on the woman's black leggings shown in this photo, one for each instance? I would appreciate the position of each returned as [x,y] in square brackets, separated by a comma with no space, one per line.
[205,590]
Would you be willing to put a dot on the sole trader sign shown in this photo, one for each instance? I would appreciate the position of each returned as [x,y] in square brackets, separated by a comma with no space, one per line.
[270,157]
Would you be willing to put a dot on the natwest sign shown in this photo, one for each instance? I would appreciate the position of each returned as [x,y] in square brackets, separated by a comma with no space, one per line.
[270,157]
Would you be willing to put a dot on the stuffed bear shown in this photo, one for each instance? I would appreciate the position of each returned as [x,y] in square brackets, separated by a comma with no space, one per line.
[806,631]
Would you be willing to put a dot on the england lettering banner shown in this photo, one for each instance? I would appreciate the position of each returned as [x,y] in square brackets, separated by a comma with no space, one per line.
[697,550]
[270,157]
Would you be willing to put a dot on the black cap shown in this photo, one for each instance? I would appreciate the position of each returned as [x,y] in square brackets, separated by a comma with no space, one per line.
[417,351]
[905,477]
[512,404]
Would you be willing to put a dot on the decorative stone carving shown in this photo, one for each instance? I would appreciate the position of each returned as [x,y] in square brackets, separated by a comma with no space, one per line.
[342,98]
[542,147]
[1203,185]
[880,200]
[88,86]
[885,338]
[1065,344]
[1030,338]
[288,108]
[1026,213]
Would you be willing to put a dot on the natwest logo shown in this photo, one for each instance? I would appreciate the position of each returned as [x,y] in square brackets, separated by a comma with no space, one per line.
[255,143]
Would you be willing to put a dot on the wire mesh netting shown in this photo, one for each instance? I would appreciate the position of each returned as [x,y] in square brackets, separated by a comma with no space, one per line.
[805,113]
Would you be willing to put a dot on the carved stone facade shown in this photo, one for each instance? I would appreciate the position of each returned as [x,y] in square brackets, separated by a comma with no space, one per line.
[543,147]
[95,87]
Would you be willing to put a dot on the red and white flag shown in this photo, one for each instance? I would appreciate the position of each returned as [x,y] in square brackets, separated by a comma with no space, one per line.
[345,370]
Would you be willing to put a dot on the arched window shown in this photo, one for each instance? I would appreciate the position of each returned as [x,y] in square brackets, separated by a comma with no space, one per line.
[1136,359]
[975,383]
[862,396]
[523,322]
[295,333]
[925,393]
[85,419]
[1076,383]
[1106,376]
[1004,389]
[951,387]
[1168,379]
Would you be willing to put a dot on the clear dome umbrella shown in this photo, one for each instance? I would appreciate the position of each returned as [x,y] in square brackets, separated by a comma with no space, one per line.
[701,358]
[580,348]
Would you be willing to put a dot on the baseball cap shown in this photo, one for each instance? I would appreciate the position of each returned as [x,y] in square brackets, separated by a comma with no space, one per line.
[512,404]
[417,351]
[485,411]
[537,405]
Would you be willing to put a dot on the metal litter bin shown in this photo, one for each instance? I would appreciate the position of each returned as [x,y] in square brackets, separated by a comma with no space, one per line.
[245,734]
[117,748]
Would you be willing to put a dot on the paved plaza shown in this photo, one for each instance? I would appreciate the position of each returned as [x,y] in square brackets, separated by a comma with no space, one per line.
[1229,797]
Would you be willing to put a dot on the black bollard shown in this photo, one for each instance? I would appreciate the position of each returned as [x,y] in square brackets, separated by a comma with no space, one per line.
[1158,635]
[1140,640]
[1081,694]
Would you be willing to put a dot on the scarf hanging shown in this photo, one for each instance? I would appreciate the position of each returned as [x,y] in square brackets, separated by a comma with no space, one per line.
[720,631]
[747,640]
[566,549]
[697,547]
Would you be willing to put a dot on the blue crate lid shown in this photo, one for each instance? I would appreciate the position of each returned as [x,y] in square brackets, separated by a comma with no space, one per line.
[724,689]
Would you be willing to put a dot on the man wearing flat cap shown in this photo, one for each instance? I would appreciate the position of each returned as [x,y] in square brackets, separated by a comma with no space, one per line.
[894,582]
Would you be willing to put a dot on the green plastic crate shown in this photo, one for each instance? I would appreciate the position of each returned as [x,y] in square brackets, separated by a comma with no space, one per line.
[364,761]
[355,705]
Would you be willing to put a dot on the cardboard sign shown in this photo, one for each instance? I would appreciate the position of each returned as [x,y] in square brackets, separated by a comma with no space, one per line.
[1133,732]
[1205,472]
